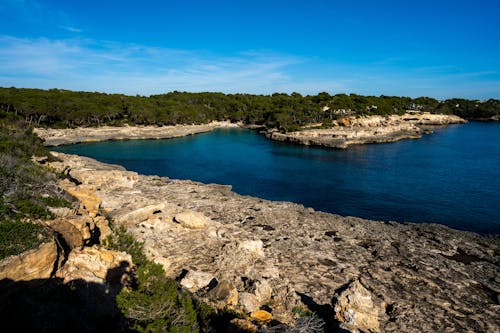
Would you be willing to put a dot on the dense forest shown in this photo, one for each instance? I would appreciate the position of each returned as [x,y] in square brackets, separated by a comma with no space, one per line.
[64,108]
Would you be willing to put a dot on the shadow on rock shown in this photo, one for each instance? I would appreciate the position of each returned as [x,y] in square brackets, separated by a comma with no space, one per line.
[49,305]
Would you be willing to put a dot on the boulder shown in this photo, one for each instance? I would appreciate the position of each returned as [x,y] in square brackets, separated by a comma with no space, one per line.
[356,310]
[248,302]
[196,280]
[191,219]
[30,265]
[223,295]
[77,231]
[261,315]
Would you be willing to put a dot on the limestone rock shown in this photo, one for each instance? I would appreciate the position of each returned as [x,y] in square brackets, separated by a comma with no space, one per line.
[253,246]
[56,137]
[191,219]
[33,264]
[356,310]
[238,325]
[248,302]
[96,265]
[367,129]
[224,295]
[87,197]
[103,225]
[263,291]
[261,315]
[431,277]
[196,280]
[77,231]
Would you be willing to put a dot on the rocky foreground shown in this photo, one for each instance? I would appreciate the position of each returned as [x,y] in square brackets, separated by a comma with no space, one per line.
[57,137]
[244,253]
[372,129]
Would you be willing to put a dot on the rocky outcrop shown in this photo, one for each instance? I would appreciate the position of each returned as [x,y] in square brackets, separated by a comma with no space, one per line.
[98,265]
[372,129]
[57,137]
[355,309]
[278,256]
[34,264]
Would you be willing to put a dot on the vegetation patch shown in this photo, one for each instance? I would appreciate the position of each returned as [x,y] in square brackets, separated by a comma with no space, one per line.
[153,302]
[17,237]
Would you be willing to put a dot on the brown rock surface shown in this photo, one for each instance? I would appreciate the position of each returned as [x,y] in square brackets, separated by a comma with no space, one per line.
[30,265]
[423,277]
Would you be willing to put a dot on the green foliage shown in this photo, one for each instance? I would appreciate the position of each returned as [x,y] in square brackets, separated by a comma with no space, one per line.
[154,302]
[121,240]
[156,305]
[64,108]
[17,237]
[26,189]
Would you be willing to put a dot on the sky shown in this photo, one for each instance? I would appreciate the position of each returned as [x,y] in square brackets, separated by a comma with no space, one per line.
[437,48]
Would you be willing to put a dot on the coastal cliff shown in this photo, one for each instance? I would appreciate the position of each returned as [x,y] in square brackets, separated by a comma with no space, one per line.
[372,129]
[362,275]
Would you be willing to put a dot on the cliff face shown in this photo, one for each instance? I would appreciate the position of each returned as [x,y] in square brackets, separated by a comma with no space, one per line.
[366,275]
[372,129]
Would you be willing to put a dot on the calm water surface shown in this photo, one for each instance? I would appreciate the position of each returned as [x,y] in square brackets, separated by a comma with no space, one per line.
[450,177]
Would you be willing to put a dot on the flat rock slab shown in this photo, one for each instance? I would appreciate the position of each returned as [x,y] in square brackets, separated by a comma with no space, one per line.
[420,277]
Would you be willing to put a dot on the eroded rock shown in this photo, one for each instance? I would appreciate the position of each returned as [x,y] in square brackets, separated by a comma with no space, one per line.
[98,265]
[192,220]
[30,265]
[196,280]
[355,309]
[224,295]
[431,277]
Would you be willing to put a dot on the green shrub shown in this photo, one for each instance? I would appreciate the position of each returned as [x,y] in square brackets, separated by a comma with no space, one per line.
[156,305]
[17,237]
[121,240]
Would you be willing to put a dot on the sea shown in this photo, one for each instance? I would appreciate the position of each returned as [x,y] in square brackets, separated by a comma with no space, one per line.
[451,177]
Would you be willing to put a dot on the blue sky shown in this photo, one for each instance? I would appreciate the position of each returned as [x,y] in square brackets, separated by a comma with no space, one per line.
[433,48]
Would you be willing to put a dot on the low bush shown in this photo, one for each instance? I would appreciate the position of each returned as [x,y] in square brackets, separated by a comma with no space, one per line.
[17,237]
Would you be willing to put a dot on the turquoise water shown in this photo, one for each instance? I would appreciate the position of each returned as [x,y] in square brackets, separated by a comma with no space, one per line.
[450,177]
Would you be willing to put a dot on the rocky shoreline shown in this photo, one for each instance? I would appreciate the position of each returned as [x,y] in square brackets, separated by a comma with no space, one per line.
[363,130]
[345,132]
[243,253]
[66,136]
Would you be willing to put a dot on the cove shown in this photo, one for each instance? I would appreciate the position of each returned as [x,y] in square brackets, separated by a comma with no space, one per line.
[449,177]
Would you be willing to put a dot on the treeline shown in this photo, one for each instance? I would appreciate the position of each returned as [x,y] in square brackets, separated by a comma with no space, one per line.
[64,108]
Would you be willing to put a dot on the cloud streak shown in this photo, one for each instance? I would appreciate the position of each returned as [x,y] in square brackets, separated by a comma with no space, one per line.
[90,65]
[84,64]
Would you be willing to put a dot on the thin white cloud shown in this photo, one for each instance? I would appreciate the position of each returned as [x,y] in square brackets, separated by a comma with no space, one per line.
[88,65]
[70,29]
[85,64]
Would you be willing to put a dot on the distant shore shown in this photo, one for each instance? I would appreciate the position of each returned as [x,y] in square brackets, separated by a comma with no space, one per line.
[373,129]
[66,136]
[341,133]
